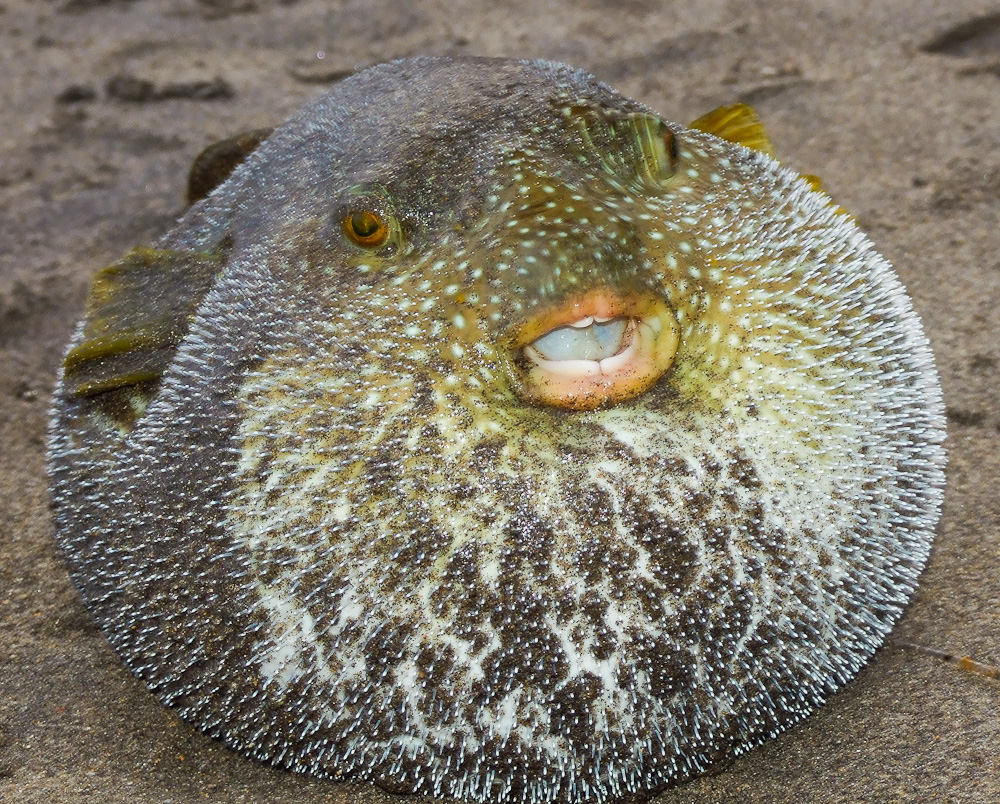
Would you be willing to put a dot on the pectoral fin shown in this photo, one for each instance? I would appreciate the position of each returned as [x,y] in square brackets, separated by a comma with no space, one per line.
[736,123]
[138,312]
[739,123]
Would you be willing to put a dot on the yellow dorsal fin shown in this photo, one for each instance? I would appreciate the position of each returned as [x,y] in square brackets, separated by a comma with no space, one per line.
[737,123]
[814,181]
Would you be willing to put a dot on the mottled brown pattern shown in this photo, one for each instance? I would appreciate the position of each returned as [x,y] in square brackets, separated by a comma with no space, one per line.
[438,585]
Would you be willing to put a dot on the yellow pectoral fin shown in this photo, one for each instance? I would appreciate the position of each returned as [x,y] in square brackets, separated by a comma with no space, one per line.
[737,123]
[138,311]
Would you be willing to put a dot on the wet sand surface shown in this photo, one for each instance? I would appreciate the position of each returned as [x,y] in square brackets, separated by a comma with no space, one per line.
[895,104]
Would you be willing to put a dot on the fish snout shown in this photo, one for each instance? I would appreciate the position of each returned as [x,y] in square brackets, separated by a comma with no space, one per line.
[595,349]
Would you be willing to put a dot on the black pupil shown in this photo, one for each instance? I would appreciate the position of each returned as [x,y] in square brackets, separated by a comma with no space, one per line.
[364,224]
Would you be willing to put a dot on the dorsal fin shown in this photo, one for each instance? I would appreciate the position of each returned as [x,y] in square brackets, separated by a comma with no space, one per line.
[138,311]
[814,181]
[214,165]
[737,123]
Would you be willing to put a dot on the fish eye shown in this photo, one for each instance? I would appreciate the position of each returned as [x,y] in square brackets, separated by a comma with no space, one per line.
[366,228]
[636,146]
[656,158]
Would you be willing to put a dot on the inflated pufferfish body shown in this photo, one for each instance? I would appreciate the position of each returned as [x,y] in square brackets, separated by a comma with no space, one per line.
[485,435]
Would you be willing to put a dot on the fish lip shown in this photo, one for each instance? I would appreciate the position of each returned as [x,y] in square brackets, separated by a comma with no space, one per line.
[599,303]
[648,351]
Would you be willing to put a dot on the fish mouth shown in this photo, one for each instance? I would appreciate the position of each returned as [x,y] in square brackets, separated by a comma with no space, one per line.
[596,349]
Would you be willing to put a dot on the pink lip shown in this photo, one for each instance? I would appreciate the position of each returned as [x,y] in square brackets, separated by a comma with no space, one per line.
[647,352]
[599,303]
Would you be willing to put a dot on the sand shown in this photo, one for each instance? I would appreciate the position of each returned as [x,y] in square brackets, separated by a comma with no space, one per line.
[895,104]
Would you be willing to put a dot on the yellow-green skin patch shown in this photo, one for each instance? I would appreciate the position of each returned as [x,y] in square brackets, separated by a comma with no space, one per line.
[338,538]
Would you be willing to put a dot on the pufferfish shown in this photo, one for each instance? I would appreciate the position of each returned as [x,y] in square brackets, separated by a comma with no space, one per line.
[486,435]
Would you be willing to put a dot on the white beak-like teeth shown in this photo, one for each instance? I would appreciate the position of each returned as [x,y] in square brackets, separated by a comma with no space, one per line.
[586,339]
